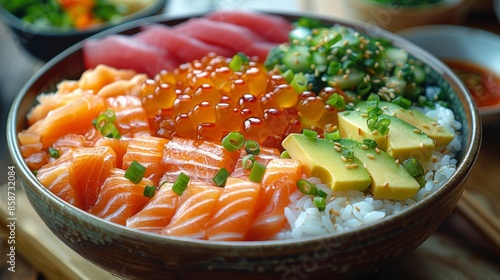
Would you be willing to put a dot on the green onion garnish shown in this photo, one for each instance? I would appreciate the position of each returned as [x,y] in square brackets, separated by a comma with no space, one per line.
[220,178]
[333,68]
[180,184]
[238,61]
[257,172]
[101,121]
[322,194]
[307,187]
[347,153]
[149,191]
[135,172]
[110,131]
[110,114]
[332,136]
[370,143]
[53,153]
[383,126]
[413,166]
[402,102]
[248,161]
[319,202]
[252,147]
[310,134]
[336,101]
[233,141]
[104,123]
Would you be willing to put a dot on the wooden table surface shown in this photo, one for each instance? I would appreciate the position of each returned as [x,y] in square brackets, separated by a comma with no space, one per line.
[458,234]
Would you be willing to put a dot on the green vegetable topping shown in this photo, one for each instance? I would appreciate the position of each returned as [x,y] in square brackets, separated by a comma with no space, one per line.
[149,191]
[257,172]
[180,184]
[220,178]
[135,172]
[233,141]
[53,153]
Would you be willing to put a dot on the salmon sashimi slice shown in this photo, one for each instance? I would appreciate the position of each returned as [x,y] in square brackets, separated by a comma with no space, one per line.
[118,145]
[102,75]
[120,198]
[234,212]
[58,177]
[195,209]
[265,155]
[148,151]
[199,160]
[92,166]
[50,101]
[158,212]
[279,182]
[74,117]
[131,118]
[71,141]
[123,87]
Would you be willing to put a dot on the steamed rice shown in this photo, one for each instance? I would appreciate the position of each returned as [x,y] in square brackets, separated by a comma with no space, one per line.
[348,210]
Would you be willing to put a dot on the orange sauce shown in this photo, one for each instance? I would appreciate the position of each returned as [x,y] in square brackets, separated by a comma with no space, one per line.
[481,82]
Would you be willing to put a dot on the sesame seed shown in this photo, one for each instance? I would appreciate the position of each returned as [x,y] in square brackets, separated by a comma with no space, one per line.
[425,126]
[337,144]
[422,145]
[434,123]
[357,208]
[375,132]
[364,115]
[386,184]
[345,76]
[397,161]
[417,131]
[351,166]
[364,147]
[370,156]
[337,148]
[360,132]
[343,158]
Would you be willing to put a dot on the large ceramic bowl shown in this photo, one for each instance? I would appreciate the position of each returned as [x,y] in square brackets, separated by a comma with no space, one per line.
[460,43]
[46,42]
[130,253]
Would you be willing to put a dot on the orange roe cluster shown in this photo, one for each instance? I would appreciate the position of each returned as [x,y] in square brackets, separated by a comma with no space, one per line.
[206,99]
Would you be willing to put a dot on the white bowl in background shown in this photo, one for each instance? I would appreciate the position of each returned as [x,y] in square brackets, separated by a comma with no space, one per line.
[453,42]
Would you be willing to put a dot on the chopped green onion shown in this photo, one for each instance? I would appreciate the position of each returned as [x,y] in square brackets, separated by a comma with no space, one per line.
[383,126]
[402,102]
[322,194]
[257,172]
[110,114]
[233,141]
[414,167]
[53,153]
[252,147]
[238,61]
[347,153]
[370,143]
[375,111]
[101,121]
[110,131]
[220,178]
[333,68]
[135,172]
[248,161]
[310,134]
[332,136]
[307,187]
[299,82]
[364,88]
[371,122]
[35,172]
[373,97]
[180,184]
[149,191]
[288,75]
[319,202]
[336,101]
[285,154]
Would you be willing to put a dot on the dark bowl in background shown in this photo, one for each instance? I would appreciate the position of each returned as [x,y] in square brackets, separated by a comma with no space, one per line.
[45,43]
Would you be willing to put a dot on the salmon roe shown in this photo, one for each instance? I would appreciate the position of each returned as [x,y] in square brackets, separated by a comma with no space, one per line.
[206,99]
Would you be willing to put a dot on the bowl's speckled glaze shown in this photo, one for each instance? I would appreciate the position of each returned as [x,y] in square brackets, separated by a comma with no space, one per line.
[133,254]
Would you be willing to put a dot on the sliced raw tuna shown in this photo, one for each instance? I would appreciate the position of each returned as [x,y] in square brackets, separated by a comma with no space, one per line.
[184,47]
[273,28]
[123,52]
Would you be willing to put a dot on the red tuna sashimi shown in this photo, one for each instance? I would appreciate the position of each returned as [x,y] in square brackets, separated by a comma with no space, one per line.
[199,160]
[120,198]
[58,177]
[195,209]
[158,212]
[185,48]
[123,52]
[278,183]
[234,212]
[92,166]
[148,151]
[273,28]
[226,35]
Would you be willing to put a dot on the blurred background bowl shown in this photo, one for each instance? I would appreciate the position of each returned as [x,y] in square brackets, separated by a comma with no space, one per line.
[131,253]
[46,42]
[396,17]
[459,43]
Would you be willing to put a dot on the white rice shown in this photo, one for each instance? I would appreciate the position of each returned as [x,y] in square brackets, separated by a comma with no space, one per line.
[351,209]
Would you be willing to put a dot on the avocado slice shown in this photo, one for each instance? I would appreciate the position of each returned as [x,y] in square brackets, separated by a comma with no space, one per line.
[321,159]
[389,178]
[401,142]
[429,126]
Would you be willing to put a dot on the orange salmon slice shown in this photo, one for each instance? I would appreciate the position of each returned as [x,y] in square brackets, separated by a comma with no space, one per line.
[58,177]
[278,183]
[148,151]
[199,160]
[195,209]
[234,212]
[92,166]
[265,155]
[120,198]
[158,212]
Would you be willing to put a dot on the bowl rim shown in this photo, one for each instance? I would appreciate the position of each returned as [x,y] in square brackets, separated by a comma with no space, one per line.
[469,152]
[18,24]
[459,31]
